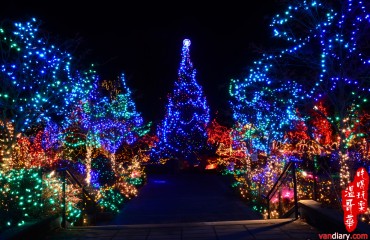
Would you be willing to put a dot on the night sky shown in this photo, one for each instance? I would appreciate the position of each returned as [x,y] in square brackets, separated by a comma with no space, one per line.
[144,41]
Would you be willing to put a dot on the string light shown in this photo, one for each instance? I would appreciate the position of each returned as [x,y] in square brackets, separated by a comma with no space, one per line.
[182,133]
[56,116]
[306,99]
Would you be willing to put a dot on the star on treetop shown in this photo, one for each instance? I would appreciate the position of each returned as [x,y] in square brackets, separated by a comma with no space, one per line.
[186,42]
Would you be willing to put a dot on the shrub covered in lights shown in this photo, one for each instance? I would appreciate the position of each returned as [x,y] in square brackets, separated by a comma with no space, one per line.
[21,196]
[111,199]
[101,172]
[31,194]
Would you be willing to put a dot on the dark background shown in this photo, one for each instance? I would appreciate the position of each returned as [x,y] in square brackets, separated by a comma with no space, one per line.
[144,41]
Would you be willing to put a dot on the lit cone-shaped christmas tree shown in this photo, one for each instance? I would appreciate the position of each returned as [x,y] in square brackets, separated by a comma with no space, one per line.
[182,134]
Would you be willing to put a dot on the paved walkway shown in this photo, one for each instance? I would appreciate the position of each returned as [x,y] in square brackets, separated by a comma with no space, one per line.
[282,229]
[184,197]
[188,206]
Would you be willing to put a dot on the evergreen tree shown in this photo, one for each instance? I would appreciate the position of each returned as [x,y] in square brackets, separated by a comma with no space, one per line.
[182,134]
[121,123]
[36,79]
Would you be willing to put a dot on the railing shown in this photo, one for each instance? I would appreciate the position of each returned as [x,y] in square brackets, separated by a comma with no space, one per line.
[86,196]
[290,168]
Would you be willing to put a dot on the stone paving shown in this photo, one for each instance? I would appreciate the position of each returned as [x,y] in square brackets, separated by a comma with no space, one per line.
[184,197]
[188,206]
[225,230]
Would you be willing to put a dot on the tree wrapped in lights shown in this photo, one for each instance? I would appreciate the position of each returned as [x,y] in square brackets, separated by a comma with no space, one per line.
[182,134]
[28,152]
[325,51]
[81,130]
[122,123]
[73,133]
[77,127]
[35,79]
[220,138]
[338,34]
[106,117]
[265,106]
[51,143]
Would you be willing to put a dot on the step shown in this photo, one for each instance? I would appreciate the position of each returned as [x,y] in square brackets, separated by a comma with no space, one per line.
[326,219]
[244,229]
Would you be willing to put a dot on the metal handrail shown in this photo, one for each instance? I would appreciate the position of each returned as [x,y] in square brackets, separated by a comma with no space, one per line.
[80,185]
[282,177]
[274,188]
[64,172]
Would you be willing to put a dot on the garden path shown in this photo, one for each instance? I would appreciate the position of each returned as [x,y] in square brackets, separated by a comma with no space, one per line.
[184,196]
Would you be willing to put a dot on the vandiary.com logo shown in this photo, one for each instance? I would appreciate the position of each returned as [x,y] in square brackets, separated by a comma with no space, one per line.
[355,199]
